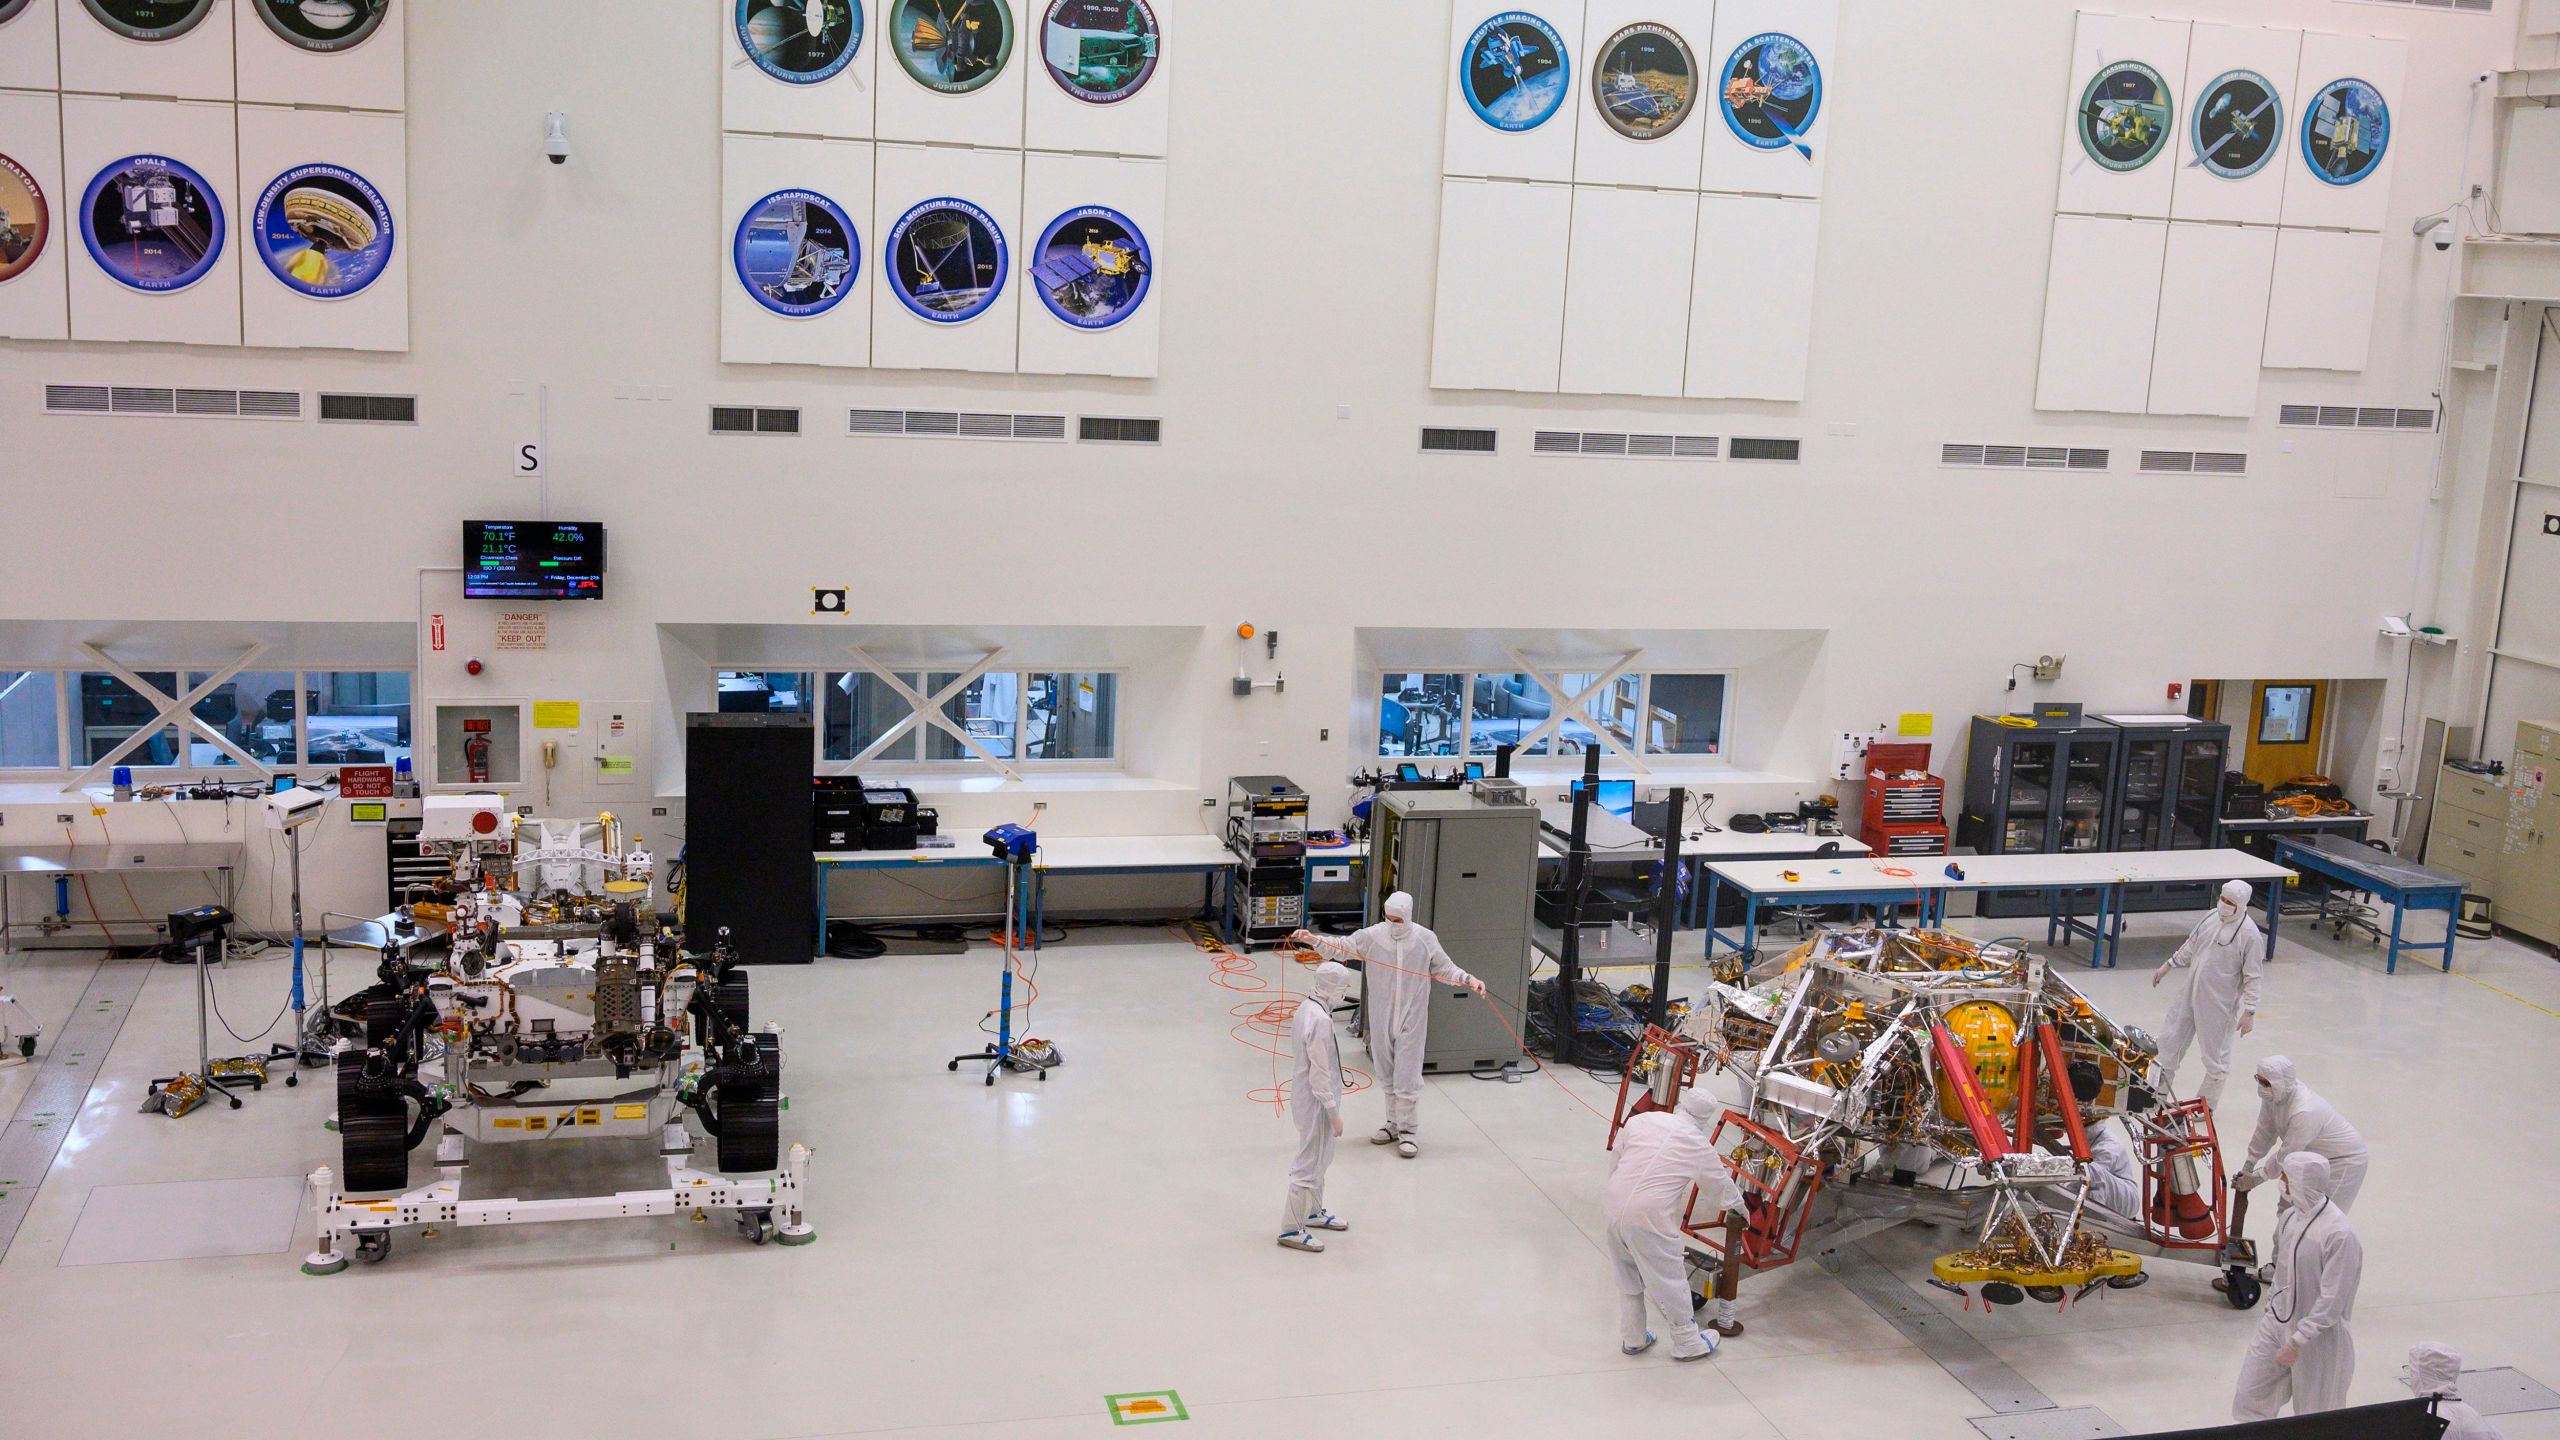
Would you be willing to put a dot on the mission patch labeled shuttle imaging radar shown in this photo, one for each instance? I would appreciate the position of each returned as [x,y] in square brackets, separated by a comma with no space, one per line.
[1515,71]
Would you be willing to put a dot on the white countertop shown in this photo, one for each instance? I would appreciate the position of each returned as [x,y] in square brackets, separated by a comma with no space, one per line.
[2002,872]
[1059,853]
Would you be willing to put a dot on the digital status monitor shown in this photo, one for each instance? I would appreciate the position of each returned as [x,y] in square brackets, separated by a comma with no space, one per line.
[532,560]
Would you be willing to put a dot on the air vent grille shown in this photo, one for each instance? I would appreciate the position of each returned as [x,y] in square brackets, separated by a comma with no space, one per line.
[1119,430]
[287,404]
[2193,462]
[1438,440]
[366,409]
[2357,417]
[1617,445]
[2022,457]
[191,403]
[1761,448]
[2469,7]
[948,424]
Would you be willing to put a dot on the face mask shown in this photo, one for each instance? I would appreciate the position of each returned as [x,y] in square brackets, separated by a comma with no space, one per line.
[2266,1087]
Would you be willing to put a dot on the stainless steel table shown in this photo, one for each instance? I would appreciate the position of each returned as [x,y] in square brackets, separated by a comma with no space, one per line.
[219,861]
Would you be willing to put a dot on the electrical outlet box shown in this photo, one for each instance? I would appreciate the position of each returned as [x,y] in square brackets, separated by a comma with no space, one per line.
[2049,667]
[1848,754]
[61,819]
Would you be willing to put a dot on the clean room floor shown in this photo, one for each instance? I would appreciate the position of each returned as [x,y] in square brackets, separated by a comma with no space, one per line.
[996,1262]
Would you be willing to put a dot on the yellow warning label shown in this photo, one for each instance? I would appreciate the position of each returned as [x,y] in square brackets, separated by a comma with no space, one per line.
[537,1122]
[630,1112]
[591,1117]
[504,1123]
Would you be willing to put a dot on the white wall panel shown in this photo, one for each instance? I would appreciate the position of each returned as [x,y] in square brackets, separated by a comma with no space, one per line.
[1493,125]
[2122,139]
[2350,189]
[2320,310]
[29,53]
[1499,322]
[988,113]
[751,333]
[1626,312]
[1652,100]
[1063,112]
[991,180]
[33,301]
[2225,112]
[2213,320]
[374,314]
[1751,314]
[821,99]
[97,132]
[363,69]
[2101,312]
[194,65]
[1095,335]
[1780,146]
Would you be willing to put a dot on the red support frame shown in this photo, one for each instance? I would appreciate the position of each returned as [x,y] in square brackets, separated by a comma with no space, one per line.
[2205,1144]
[1774,1208]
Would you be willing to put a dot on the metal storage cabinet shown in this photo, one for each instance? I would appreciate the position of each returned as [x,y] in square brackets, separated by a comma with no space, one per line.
[2467,831]
[2039,790]
[1470,865]
[2528,898]
[2167,796]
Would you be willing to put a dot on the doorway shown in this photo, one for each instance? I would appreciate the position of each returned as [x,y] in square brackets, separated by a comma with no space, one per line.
[2288,721]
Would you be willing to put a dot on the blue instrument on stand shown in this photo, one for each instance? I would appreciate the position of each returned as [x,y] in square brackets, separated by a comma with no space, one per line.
[1016,847]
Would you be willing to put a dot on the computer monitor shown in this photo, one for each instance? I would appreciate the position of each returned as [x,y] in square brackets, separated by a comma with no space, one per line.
[1618,797]
[1410,774]
[1475,769]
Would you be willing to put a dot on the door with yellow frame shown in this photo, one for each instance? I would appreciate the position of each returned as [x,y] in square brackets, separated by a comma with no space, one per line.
[2288,720]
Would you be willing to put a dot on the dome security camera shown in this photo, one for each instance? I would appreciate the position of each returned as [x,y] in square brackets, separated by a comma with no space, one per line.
[2438,228]
[555,136]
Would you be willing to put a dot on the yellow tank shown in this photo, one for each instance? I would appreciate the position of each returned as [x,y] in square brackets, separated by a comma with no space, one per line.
[1989,1035]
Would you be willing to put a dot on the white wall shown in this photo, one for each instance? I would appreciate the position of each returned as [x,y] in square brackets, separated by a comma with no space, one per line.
[1289,492]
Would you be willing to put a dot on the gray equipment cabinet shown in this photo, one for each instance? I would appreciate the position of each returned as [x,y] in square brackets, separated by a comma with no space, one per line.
[1470,864]
[2036,790]
[2168,796]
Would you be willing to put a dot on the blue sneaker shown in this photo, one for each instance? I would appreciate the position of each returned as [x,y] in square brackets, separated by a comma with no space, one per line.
[1638,1349]
[1301,1240]
[1326,1220]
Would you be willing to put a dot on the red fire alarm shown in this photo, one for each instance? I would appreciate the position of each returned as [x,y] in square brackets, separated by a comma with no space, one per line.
[471,666]
[2176,689]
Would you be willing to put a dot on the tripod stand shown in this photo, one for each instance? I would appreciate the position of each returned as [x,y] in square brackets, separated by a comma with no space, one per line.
[1004,1054]
[203,932]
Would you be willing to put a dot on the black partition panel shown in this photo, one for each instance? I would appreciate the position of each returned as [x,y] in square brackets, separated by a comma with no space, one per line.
[747,819]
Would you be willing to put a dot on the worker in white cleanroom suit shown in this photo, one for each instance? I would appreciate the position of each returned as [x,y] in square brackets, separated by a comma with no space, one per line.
[1659,1157]
[2301,1350]
[1401,960]
[2292,1117]
[2226,955]
[2115,1177]
[1315,1103]
[2437,1370]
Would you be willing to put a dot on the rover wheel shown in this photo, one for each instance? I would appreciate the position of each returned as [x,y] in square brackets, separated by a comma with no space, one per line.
[382,1011]
[751,1116]
[372,1132]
